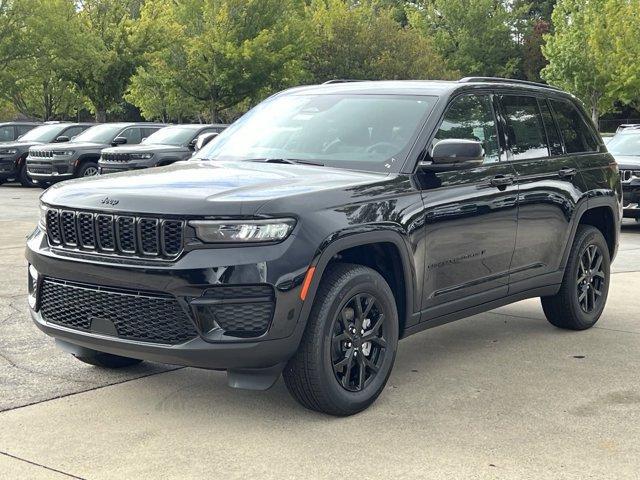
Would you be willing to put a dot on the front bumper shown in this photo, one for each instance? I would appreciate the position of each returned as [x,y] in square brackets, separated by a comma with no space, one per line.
[188,279]
[631,199]
[50,169]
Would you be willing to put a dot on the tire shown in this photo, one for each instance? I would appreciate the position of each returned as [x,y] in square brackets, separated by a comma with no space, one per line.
[87,169]
[313,376]
[578,306]
[24,178]
[107,360]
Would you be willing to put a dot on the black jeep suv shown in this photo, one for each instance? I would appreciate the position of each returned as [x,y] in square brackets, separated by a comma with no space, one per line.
[164,147]
[47,164]
[13,155]
[326,224]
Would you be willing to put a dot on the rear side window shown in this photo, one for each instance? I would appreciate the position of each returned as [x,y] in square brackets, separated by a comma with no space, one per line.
[553,136]
[470,117]
[525,129]
[577,136]
[6,133]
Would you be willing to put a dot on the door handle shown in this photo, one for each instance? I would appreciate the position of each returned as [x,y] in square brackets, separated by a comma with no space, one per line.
[501,181]
[567,172]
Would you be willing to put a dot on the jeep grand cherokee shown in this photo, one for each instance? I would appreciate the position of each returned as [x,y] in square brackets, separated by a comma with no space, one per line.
[325,225]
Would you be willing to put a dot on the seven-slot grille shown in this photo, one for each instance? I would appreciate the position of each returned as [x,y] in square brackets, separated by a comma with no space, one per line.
[146,237]
[41,153]
[115,157]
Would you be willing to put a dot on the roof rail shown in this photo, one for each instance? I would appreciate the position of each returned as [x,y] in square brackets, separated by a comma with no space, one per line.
[506,80]
[341,80]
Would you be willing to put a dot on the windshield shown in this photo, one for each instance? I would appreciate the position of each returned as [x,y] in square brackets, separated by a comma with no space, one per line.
[45,133]
[99,134]
[362,132]
[171,136]
[625,144]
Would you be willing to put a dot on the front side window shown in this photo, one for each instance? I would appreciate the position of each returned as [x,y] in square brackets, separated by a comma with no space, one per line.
[6,133]
[73,131]
[577,135]
[22,129]
[104,133]
[133,136]
[555,142]
[470,117]
[525,129]
[356,131]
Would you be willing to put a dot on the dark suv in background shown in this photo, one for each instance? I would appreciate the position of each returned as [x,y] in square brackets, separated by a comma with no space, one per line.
[625,147]
[326,224]
[50,163]
[10,131]
[164,147]
[13,155]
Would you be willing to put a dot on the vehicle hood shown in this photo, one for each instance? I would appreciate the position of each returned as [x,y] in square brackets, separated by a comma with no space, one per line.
[73,146]
[147,148]
[18,145]
[627,162]
[212,188]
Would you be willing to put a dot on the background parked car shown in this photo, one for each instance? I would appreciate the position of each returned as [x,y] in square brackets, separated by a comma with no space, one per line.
[13,155]
[50,163]
[11,131]
[166,146]
[625,147]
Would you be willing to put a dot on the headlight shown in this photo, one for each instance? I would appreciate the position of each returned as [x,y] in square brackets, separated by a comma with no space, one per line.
[140,156]
[240,231]
[635,174]
[42,221]
[65,153]
[9,151]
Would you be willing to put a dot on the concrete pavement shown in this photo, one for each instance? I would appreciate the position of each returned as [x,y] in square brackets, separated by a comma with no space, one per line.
[499,395]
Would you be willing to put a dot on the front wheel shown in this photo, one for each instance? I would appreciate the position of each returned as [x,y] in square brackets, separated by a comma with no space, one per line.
[24,178]
[88,169]
[585,285]
[349,346]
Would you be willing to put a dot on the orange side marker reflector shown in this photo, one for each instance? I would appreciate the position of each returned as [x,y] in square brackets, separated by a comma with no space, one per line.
[307,282]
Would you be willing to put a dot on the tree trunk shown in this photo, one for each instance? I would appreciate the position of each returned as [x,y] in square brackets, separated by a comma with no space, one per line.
[595,116]
[101,115]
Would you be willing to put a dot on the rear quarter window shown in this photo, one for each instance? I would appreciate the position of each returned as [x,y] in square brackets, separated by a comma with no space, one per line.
[576,132]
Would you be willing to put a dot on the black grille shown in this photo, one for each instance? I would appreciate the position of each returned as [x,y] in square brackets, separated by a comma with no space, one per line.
[113,234]
[134,315]
[241,311]
[115,157]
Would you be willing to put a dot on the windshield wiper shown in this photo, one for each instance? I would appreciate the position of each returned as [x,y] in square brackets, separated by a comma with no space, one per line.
[290,161]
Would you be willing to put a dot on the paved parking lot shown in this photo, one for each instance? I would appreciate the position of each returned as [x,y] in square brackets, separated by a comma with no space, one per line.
[499,395]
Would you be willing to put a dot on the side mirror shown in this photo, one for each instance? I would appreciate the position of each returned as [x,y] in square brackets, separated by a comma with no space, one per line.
[62,139]
[454,154]
[204,139]
[119,141]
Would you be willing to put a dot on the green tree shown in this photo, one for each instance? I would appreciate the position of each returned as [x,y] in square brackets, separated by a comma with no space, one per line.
[220,53]
[476,37]
[109,54]
[34,81]
[365,41]
[593,52]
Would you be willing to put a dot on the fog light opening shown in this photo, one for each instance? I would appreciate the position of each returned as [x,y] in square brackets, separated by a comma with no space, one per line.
[33,286]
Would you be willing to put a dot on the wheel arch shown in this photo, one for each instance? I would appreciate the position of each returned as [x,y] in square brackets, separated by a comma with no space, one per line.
[89,157]
[384,251]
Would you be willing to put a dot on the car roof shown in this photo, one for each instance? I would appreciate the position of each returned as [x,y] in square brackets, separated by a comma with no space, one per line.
[423,87]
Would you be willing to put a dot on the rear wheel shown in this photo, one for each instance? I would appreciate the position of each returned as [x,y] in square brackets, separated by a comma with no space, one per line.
[349,346]
[88,169]
[585,286]
[106,360]
[24,179]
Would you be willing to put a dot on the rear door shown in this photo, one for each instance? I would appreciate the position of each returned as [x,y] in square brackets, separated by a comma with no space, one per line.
[471,215]
[549,188]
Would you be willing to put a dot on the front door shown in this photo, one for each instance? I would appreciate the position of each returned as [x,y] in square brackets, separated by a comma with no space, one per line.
[470,216]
